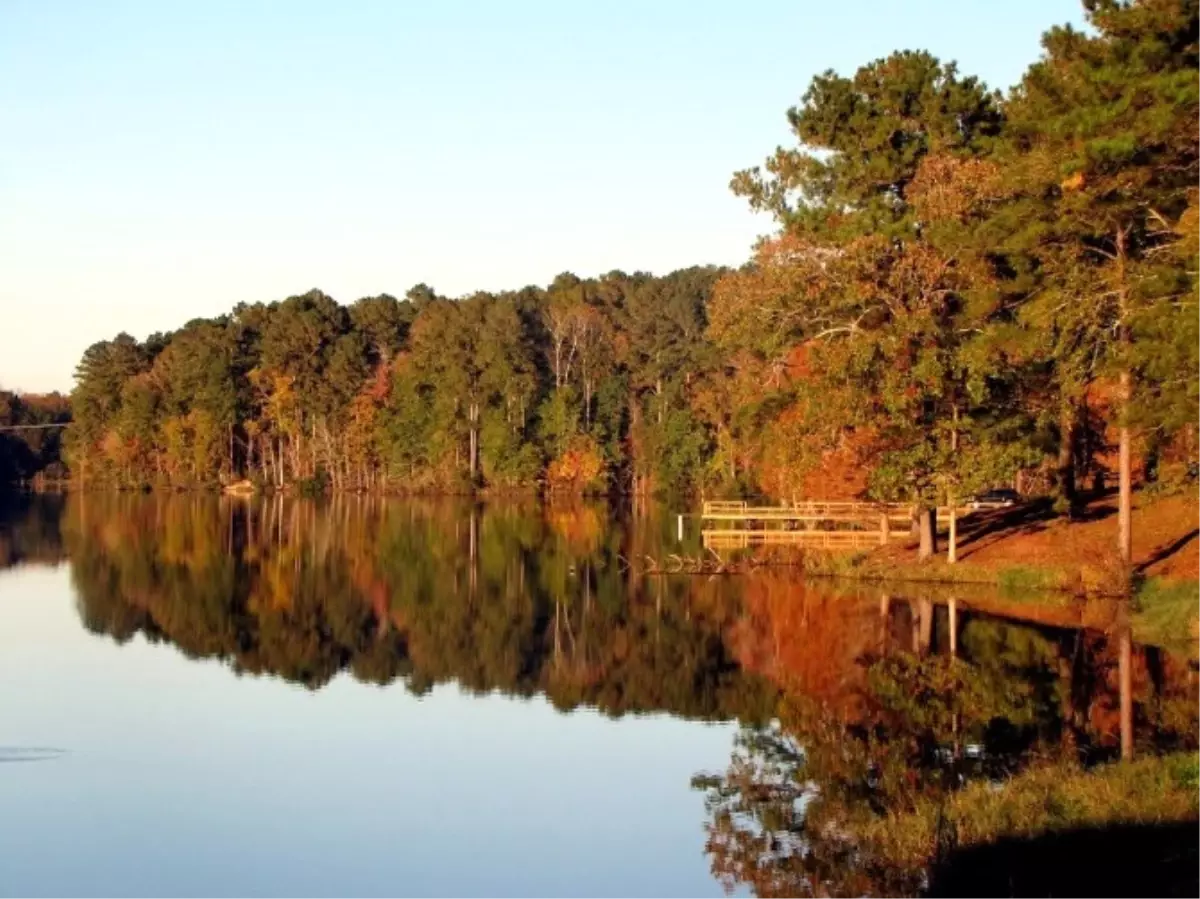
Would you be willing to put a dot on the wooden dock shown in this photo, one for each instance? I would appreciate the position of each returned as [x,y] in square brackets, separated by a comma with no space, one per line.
[735,524]
[805,512]
[717,539]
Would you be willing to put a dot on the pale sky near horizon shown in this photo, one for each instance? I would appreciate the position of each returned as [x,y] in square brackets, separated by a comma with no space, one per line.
[165,161]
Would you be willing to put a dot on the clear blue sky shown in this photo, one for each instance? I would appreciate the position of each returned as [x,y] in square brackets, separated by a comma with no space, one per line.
[162,161]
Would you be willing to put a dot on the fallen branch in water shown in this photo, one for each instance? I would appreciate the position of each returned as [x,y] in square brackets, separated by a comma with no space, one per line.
[705,564]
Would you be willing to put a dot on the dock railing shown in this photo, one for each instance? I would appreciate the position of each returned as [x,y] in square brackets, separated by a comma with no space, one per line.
[733,523]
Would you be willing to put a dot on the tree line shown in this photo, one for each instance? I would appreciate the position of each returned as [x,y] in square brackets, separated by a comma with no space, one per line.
[965,285]
[31,437]
[585,386]
[963,288]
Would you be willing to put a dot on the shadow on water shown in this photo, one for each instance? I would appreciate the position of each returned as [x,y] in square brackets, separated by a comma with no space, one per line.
[1122,860]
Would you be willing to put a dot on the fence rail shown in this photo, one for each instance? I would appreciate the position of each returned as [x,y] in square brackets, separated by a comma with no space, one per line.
[40,427]
[729,510]
[743,539]
[735,524]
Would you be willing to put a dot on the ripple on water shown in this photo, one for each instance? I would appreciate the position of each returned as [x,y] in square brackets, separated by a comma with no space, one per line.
[29,753]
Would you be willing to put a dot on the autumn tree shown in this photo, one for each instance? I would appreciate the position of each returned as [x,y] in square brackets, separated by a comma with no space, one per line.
[851,275]
[1102,156]
[31,436]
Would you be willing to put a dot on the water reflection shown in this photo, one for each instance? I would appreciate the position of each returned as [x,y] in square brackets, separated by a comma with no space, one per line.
[518,598]
[914,734]
[874,721]
[30,529]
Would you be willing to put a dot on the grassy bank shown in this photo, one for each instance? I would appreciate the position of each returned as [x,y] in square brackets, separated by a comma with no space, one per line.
[1044,800]
[1014,580]
[1031,550]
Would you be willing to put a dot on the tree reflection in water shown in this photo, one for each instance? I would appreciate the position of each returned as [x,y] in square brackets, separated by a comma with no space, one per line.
[902,749]
[888,739]
[513,597]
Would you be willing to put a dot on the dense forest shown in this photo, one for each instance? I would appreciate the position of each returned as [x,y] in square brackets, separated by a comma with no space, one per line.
[31,437]
[584,385]
[963,289]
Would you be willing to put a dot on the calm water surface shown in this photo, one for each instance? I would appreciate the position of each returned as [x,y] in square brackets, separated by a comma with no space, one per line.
[168,770]
[366,697]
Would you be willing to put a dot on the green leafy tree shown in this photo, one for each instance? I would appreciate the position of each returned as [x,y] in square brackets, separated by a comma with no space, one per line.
[1102,163]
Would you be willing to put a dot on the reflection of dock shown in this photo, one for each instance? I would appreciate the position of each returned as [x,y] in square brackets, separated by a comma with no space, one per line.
[929,626]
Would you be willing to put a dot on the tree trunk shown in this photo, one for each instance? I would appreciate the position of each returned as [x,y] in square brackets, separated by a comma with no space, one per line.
[1068,431]
[1125,490]
[1125,472]
[473,462]
[952,537]
[927,522]
[952,500]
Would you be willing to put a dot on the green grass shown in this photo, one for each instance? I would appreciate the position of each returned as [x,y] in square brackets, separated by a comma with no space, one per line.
[1014,582]
[1164,612]
[1041,801]
[1019,581]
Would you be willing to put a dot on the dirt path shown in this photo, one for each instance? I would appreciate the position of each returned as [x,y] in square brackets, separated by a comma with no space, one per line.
[1165,540]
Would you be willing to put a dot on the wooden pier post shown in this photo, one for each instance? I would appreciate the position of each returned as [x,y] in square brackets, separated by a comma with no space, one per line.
[679,528]
[885,528]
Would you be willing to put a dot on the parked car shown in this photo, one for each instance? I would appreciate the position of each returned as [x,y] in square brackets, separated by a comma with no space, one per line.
[1002,496]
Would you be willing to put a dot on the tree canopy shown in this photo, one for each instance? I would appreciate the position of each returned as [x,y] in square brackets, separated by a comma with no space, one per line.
[963,289]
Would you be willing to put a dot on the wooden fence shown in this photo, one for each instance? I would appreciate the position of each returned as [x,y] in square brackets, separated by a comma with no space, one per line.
[816,523]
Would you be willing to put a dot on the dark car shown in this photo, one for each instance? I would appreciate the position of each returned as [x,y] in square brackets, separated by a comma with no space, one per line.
[999,497]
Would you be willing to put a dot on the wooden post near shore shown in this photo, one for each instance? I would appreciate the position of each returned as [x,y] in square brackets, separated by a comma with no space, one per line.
[885,529]
[679,528]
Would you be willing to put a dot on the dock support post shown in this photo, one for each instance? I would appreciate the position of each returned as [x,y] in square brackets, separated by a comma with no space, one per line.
[679,528]
[885,527]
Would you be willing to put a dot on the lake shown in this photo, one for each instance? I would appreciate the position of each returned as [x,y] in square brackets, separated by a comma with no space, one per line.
[366,696]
